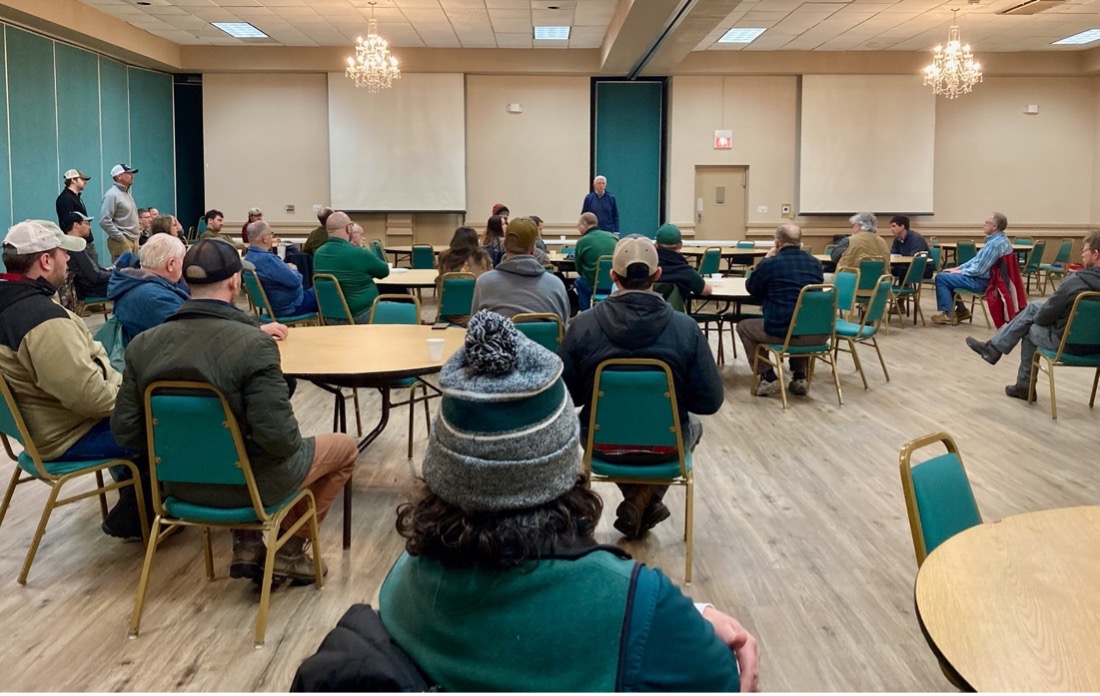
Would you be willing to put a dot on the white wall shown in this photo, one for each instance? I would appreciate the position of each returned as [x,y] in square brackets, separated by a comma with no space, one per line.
[762,112]
[535,162]
[266,145]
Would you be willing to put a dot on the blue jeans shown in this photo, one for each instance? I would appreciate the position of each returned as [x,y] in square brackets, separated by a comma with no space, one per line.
[584,293]
[99,443]
[1023,330]
[947,283]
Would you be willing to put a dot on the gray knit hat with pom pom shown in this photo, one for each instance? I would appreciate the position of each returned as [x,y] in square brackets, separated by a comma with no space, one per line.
[506,437]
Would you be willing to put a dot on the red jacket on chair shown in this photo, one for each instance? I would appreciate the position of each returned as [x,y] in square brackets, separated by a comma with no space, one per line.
[1005,294]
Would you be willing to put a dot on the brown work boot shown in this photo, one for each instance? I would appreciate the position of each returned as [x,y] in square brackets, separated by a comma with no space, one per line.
[945,318]
[248,554]
[294,563]
[962,314]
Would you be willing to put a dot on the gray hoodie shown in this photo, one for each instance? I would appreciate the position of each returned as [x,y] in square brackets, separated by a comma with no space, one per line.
[119,217]
[1056,309]
[520,284]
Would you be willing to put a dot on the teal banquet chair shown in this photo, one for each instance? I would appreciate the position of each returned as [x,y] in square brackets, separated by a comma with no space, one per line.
[634,404]
[846,282]
[711,262]
[1056,267]
[965,251]
[332,308]
[909,287]
[1031,267]
[602,289]
[456,296]
[194,439]
[544,328]
[376,247]
[867,329]
[423,256]
[404,309]
[814,315]
[55,475]
[1080,347]
[255,290]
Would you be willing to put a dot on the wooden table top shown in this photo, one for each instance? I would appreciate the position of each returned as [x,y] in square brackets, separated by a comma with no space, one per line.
[361,350]
[1014,605]
[726,251]
[407,248]
[825,258]
[979,245]
[728,288]
[410,277]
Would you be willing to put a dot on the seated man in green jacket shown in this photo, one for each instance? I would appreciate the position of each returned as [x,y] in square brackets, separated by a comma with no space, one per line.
[210,340]
[502,586]
[355,267]
[593,244]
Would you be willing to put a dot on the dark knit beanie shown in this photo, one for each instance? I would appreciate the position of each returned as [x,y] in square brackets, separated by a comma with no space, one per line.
[506,437]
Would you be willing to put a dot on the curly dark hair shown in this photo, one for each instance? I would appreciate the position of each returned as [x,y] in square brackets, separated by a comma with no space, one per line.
[458,538]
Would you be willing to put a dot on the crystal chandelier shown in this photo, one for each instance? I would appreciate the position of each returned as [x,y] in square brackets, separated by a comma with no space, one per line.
[372,67]
[953,70]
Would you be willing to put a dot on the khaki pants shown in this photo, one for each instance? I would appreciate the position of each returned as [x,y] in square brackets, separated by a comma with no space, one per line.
[334,460]
[752,334]
[118,247]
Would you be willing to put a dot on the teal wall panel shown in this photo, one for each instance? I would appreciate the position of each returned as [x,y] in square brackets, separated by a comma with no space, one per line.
[5,191]
[152,147]
[627,150]
[114,111]
[78,119]
[32,115]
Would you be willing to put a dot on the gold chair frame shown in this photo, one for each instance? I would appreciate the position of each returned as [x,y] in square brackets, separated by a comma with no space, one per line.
[57,482]
[872,339]
[267,524]
[763,351]
[351,320]
[1038,359]
[524,317]
[420,383]
[267,303]
[914,298]
[686,477]
[905,464]
[443,288]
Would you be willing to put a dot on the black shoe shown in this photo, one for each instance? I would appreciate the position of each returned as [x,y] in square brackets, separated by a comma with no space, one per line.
[123,521]
[655,514]
[628,520]
[1018,392]
[985,349]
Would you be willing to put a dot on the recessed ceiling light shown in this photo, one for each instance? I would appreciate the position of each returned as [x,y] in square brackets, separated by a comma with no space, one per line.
[741,35]
[551,33]
[1082,38]
[240,30]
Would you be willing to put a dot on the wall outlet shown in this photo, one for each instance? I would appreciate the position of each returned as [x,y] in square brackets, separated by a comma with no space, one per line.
[785,211]
[290,207]
[761,208]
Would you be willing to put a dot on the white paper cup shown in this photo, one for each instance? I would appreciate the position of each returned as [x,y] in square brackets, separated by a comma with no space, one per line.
[716,276]
[435,349]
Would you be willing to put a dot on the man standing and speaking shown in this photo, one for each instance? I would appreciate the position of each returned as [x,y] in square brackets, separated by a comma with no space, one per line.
[602,205]
[119,216]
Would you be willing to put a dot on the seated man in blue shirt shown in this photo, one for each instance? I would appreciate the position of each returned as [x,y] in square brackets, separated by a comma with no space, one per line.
[907,242]
[776,282]
[281,280]
[972,275]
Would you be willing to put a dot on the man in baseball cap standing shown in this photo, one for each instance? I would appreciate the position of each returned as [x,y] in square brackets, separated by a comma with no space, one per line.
[59,375]
[636,322]
[119,216]
[69,200]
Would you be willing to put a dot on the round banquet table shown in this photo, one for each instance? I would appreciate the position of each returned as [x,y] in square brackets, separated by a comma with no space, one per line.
[363,356]
[1014,605]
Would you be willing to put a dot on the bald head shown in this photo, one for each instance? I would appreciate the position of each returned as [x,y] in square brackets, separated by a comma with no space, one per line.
[338,225]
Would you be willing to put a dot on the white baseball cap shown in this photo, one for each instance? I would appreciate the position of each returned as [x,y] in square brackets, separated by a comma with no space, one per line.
[122,169]
[32,236]
[76,174]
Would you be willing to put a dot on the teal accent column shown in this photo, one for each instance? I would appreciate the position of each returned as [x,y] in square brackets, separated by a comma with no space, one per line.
[627,150]
[78,121]
[151,143]
[114,111]
[5,192]
[32,114]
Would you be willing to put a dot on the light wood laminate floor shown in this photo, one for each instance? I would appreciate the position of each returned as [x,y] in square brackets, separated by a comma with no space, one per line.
[800,532]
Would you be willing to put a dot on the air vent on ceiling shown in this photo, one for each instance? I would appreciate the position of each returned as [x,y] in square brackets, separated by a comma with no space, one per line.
[1030,7]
